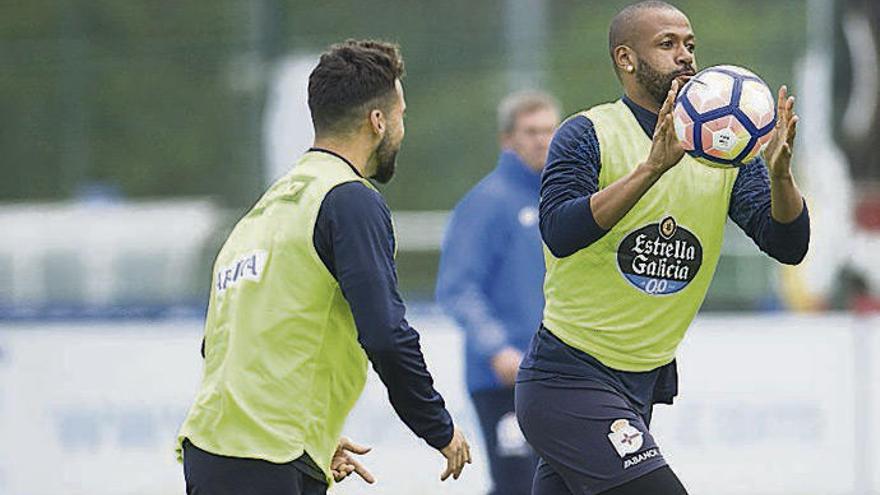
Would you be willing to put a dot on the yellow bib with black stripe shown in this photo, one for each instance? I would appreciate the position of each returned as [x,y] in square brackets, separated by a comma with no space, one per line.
[629,298]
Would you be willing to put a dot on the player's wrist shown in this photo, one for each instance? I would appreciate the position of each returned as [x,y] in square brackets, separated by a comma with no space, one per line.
[781,175]
[652,169]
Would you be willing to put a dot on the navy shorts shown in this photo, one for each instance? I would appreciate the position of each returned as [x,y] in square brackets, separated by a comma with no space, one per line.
[589,436]
[211,474]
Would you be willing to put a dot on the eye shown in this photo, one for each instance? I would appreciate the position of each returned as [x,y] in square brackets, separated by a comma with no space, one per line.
[691,47]
[666,43]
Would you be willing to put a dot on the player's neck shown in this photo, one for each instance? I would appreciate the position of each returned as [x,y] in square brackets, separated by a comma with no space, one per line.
[351,149]
[643,100]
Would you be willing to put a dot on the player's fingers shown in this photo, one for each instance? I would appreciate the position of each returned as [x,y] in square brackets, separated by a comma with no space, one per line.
[446,472]
[354,447]
[669,129]
[670,99]
[457,462]
[789,109]
[786,149]
[342,472]
[660,131]
[780,99]
[362,471]
[792,130]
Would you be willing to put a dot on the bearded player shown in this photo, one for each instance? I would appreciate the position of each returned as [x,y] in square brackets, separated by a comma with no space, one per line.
[305,294]
[619,196]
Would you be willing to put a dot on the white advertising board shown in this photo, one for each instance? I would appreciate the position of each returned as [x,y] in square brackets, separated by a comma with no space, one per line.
[767,405]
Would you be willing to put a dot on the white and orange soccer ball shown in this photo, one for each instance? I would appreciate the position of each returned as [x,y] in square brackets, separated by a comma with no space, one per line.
[724,116]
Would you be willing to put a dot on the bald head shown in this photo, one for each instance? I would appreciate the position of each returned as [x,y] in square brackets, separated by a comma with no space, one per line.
[626,25]
[651,44]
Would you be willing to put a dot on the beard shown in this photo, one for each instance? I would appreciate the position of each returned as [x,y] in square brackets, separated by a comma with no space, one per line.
[656,83]
[386,156]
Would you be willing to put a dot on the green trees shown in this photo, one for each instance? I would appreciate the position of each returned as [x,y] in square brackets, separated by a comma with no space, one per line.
[164,98]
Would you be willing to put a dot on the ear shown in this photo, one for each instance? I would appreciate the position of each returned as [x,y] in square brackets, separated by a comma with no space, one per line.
[625,59]
[377,121]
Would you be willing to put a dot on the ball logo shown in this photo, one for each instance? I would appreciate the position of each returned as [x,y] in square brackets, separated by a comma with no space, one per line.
[625,438]
[660,258]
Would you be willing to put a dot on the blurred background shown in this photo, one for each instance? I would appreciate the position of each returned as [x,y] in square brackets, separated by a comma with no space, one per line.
[134,134]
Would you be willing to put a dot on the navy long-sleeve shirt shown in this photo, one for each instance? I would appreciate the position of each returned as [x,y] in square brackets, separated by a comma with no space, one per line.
[354,238]
[572,176]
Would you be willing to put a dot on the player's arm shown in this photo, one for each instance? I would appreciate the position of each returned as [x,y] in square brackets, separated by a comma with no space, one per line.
[569,180]
[786,199]
[574,212]
[613,202]
[474,240]
[750,208]
[354,238]
[765,201]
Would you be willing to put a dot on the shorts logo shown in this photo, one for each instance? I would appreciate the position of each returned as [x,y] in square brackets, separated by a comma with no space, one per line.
[245,267]
[640,458]
[625,438]
[660,258]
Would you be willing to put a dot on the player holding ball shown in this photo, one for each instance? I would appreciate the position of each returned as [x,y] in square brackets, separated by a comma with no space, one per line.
[633,229]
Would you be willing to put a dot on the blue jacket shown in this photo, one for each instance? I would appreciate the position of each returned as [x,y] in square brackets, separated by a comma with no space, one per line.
[492,267]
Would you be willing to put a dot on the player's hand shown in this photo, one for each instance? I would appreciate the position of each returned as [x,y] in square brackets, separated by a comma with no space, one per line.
[779,149]
[457,454]
[344,464]
[666,150]
[505,363]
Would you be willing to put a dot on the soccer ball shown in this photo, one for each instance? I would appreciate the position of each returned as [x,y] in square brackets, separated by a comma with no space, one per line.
[724,116]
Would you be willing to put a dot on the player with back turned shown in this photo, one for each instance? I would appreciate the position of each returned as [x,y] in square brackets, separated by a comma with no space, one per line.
[619,195]
[304,294]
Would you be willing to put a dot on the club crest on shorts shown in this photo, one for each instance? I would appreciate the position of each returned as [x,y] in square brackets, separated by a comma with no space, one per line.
[660,258]
[625,438]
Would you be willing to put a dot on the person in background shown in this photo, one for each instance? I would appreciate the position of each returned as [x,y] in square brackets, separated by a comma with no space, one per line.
[491,275]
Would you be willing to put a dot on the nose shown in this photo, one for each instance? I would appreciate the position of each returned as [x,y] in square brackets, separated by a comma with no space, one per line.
[684,57]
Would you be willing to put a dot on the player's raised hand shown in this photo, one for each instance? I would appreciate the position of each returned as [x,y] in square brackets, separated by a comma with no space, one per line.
[457,454]
[666,150]
[781,145]
[344,464]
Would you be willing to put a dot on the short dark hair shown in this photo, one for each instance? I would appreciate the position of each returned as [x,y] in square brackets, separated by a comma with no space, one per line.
[620,30]
[350,76]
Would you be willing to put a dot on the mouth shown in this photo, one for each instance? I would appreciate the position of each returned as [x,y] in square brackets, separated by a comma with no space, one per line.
[684,77]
